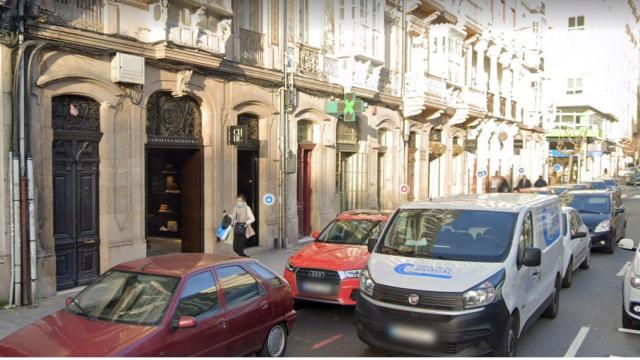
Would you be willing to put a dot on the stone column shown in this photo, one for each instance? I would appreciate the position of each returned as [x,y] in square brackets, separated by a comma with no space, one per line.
[481,80]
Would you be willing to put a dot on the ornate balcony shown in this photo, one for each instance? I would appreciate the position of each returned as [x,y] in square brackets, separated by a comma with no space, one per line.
[309,61]
[251,47]
[80,14]
[389,81]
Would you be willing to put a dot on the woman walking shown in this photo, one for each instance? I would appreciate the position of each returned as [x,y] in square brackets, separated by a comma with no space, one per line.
[242,219]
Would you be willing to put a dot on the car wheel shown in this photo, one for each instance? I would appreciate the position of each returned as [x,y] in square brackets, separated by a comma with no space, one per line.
[509,341]
[586,263]
[627,321]
[568,277]
[276,342]
[552,310]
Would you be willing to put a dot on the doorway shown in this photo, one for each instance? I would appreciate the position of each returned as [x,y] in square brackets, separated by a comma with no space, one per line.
[247,185]
[346,181]
[411,167]
[173,201]
[75,158]
[304,188]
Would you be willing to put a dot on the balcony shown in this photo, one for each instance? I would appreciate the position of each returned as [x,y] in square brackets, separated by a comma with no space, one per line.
[309,61]
[435,87]
[477,101]
[389,81]
[251,47]
[80,14]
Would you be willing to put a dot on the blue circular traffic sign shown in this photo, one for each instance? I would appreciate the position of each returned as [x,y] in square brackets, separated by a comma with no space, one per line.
[482,173]
[557,167]
[268,199]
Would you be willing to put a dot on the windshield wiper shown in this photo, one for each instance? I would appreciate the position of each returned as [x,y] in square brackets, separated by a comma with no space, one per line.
[85,312]
[590,212]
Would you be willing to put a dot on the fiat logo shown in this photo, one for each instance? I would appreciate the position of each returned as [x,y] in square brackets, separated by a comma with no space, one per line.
[413,299]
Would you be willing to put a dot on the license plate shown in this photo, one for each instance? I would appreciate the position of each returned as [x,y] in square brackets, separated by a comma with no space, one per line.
[412,334]
[314,287]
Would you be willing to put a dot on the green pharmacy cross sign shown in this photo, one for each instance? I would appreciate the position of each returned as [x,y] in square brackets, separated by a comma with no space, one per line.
[348,108]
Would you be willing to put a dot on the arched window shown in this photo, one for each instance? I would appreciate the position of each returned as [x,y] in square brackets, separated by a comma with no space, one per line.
[383,137]
[305,131]
[173,118]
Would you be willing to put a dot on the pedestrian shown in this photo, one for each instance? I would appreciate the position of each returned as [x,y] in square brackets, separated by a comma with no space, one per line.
[540,182]
[523,183]
[242,217]
[606,174]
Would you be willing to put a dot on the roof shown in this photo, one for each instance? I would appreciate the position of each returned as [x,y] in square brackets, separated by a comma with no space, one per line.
[507,202]
[364,214]
[176,264]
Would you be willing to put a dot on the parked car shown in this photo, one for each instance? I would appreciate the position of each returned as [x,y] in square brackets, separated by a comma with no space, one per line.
[582,186]
[631,288]
[170,305]
[613,186]
[328,269]
[536,190]
[577,245]
[602,212]
[633,178]
[462,275]
[560,189]
[598,185]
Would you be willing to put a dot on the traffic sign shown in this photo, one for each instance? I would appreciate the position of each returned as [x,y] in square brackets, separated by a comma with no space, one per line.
[268,199]
[482,173]
[404,188]
[557,167]
[521,170]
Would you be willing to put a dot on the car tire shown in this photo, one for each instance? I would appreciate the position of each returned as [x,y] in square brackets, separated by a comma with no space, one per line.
[552,310]
[509,342]
[567,280]
[276,343]
[586,263]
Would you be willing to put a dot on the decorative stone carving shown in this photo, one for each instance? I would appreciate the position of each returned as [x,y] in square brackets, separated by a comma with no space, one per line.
[173,120]
[224,29]
[309,60]
[182,83]
[75,113]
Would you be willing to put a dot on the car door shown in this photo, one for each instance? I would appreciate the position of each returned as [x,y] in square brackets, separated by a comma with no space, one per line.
[199,298]
[579,246]
[528,277]
[248,309]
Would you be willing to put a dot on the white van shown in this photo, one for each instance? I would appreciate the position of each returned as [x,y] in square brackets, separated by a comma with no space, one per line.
[463,275]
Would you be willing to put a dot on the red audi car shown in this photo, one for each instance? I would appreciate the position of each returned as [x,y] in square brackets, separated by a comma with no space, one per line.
[328,270]
[170,305]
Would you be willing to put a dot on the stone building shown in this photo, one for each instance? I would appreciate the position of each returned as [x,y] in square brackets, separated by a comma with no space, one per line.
[131,102]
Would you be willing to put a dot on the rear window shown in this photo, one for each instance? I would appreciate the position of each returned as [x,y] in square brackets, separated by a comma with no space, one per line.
[447,234]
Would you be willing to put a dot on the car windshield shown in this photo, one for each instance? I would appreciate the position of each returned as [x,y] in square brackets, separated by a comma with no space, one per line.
[461,235]
[590,204]
[599,185]
[126,297]
[352,232]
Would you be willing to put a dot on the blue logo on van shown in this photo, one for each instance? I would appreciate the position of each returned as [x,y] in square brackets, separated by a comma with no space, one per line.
[550,220]
[422,270]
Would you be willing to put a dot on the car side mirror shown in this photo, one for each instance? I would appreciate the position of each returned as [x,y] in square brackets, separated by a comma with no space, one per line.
[184,322]
[532,257]
[627,244]
[315,235]
[619,210]
[578,235]
[371,243]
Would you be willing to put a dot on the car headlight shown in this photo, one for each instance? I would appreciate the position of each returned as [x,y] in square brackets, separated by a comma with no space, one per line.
[602,226]
[634,280]
[351,273]
[486,292]
[366,282]
[290,267]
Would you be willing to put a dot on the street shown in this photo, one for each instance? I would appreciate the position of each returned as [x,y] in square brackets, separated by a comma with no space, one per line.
[587,325]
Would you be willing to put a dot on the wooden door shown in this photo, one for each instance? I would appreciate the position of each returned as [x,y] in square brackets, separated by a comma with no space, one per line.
[76,138]
[191,218]
[304,189]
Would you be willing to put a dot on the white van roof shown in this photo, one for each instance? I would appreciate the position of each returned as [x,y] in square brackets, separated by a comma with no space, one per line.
[507,202]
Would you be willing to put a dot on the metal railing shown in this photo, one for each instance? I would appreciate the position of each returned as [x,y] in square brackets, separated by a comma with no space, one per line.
[309,60]
[251,47]
[81,14]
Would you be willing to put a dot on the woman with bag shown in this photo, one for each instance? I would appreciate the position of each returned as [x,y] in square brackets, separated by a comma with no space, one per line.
[242,219]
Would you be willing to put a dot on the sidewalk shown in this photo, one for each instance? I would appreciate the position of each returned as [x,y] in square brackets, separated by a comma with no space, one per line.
[14,319]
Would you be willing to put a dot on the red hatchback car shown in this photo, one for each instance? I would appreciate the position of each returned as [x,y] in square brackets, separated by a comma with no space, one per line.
[170,305]
[328,270]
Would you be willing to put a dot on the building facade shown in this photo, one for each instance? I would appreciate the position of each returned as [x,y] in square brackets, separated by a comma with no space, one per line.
[594,92]
[131,104]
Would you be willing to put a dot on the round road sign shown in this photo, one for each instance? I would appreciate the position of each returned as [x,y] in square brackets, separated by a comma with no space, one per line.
[521,170]
[557,167]
[268,199]
[404,188]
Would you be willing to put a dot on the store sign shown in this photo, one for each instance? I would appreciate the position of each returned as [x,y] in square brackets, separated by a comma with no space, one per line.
[171,140]
[470,145]
[237,135]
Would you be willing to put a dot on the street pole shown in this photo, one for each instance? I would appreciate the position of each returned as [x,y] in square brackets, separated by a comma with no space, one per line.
[282,183]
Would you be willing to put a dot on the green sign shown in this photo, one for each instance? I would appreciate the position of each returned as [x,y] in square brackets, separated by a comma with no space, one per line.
[349,108]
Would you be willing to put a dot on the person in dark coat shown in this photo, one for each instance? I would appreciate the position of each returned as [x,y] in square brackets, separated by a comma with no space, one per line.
[540,182]
[523,183]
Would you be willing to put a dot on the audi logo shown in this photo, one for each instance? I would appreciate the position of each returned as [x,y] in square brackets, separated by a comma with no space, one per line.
[316,274]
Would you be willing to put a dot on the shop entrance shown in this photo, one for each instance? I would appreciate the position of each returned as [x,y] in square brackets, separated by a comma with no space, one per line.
[247,185]
[174,201]
[304,189]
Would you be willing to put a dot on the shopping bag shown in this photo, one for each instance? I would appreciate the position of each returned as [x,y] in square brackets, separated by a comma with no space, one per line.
[222,233]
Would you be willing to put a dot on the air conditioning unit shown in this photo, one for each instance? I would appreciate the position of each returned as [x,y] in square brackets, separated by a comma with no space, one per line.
[127,68]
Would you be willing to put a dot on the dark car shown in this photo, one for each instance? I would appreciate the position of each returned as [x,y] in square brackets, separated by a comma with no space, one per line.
[170,305]
[602,212]
[613,186]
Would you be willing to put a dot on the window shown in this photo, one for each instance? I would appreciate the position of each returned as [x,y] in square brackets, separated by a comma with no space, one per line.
[305,131]
[576,23]
[526,237]
[199,296]
[275,22]
[303,21]
[247,13]
[574,86]
[382,137]
[238,285]
[504,11]
[265,274]
[575,222]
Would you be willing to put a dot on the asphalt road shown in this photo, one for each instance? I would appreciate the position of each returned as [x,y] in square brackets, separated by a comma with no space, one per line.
[587,325]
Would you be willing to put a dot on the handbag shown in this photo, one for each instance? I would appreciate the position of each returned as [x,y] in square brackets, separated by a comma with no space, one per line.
[241,229]
[250,232]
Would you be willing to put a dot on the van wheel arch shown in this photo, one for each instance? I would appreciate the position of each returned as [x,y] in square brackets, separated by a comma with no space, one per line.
[516,317]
